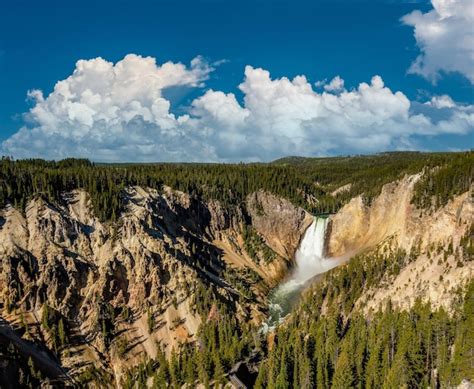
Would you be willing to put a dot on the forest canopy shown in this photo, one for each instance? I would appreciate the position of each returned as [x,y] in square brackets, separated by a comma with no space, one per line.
[307,182]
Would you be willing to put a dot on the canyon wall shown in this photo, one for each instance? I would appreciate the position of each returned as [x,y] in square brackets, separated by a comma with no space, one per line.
[151,265]
[392,222]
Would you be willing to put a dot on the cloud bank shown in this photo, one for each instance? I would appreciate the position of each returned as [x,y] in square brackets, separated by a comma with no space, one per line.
[445,36]
[117,112]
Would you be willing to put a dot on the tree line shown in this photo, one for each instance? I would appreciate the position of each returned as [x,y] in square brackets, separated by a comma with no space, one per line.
[307,182]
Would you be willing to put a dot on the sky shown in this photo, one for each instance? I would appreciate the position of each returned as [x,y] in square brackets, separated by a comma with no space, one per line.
[228,81]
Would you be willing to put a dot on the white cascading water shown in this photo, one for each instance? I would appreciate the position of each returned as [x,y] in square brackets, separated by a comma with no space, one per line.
[310,261]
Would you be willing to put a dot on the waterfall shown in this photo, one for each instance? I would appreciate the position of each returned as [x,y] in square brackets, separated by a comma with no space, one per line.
[309,262]
[309,257]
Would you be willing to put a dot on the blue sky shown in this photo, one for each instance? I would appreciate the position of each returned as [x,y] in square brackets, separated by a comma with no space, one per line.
[40,43]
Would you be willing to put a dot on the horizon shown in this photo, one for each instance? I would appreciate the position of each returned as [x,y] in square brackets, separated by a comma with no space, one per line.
[288,157]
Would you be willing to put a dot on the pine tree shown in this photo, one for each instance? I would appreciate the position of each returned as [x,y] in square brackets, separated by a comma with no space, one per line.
[322,374]
[397,375]
[190,376]
[462,365]
[262,377]
[282,378]
[218,370]
[372,371]
[45,317]
[62,333]
[305,376]
[343,375]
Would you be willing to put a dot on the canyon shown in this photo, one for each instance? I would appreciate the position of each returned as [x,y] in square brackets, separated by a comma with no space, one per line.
[128,289]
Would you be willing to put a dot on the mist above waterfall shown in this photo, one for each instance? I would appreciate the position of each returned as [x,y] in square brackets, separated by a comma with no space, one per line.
[309,262]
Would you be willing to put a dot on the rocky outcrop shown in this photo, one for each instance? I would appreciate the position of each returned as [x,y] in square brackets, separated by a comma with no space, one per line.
[278,221]
[145,268]
[431,239]
[357,226]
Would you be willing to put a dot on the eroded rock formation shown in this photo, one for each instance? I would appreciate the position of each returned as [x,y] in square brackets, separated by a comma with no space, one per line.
[147,267]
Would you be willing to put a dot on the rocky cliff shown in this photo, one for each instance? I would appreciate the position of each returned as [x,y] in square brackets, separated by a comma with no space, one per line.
[432,238]
[120,289]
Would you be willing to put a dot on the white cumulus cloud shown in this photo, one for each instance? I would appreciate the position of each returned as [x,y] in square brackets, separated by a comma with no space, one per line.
[336,85]
[109,111]
[117,112]
[445,36]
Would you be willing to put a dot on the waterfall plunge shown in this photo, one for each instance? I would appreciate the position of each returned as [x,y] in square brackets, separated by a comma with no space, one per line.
[309,258]
[310,261]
